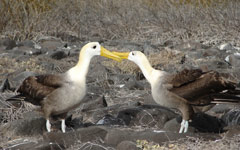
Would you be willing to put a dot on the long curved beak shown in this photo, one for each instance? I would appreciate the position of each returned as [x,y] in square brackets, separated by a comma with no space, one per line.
[108,54]
[122,55]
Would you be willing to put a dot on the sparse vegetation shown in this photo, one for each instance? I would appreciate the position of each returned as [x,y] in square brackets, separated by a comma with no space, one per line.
[135,20]
[12,113]
[210,22]
[10,65]
[191,143]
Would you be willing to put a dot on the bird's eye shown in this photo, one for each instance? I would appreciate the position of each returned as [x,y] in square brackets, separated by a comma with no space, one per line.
[133,54]
[94,47]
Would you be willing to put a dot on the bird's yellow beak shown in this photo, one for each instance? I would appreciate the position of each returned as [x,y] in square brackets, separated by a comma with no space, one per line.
[122,55]
[108,54]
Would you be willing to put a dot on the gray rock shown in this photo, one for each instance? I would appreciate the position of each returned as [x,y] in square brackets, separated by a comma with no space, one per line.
[211,52]
[214,64]
[169,43]
[24,127]
[96,70]
[121,78]
[190,45]
[4,106]
[232,131]
[24,50]
[134,85]
[58,54]
[149,49]
[232,117]
[74,52]
[19,57]
[5,85]
[205,123]
[110,120]
[46,146]
[22,145]
[146,116]
[127,145]
[7,44]
[90,146]
[174,126]
[19,51]
[88,134]
[226,46]
[98,114]
[68,37]
[51,44]
[221,108]
[93,103]
[116,136]
[194,55]
[27,43]
[234,59]
[95,90]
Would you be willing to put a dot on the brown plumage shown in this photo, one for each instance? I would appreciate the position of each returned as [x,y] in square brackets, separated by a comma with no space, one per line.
[57,94]
[35,88]
[189,90]
[200,88]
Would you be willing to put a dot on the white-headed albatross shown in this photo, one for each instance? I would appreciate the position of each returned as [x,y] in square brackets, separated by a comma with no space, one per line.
[57,94]
[185,90]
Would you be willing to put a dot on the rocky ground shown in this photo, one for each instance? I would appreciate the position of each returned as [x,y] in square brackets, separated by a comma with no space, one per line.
[118,111]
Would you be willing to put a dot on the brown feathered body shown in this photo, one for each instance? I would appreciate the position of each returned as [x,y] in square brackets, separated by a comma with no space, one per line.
[56,94]
[36,88]
[202,88]
[193,90]
[189,90]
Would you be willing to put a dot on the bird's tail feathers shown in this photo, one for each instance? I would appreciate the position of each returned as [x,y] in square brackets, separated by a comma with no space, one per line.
[16,98]
[225,100]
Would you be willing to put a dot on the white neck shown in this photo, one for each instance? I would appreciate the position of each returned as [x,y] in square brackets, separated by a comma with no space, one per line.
[151,74]
[79,72]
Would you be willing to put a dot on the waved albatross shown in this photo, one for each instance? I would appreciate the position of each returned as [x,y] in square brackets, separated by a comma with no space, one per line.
[58,94]
[187,90]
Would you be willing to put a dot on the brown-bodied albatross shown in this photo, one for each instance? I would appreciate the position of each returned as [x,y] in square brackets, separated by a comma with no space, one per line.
[185,90]
[58,94]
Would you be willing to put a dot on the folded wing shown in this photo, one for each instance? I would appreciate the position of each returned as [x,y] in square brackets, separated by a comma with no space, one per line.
[35,88]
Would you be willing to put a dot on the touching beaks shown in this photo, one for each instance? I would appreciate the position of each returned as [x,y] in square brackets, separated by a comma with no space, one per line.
[122,55]
[108,54]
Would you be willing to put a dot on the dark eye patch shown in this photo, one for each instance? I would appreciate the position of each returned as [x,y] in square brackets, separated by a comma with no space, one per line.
[133,54]
[94,47]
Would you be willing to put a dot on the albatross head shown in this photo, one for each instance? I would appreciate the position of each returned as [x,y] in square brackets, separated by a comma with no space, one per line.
[94,48]
[88,51]
[141,60]
[136,56]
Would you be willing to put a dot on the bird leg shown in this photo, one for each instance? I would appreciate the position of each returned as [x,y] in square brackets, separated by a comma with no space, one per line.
[63,126]
[184,125]
[48,125]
